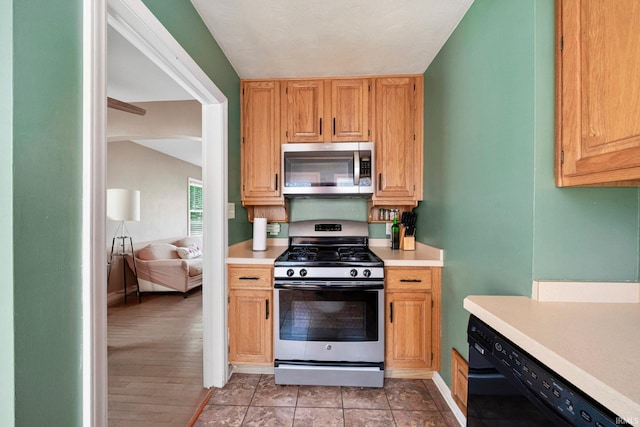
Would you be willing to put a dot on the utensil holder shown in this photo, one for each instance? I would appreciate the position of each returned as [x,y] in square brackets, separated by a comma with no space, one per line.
[407,243]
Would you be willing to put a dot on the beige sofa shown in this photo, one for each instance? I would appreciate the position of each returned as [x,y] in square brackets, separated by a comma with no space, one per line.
[169,266]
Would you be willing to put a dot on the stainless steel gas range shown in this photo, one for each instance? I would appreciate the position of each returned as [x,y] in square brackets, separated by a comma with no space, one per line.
[329,307]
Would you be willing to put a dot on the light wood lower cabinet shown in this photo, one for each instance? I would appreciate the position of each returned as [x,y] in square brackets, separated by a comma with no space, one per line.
[412,320]
[459,380]
[250,314]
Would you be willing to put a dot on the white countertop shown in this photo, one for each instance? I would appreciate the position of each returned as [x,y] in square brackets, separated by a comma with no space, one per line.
[595,346]
[423,256]
[243,253]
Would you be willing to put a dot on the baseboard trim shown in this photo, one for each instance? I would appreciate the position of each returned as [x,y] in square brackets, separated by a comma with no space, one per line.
[416,374]
[114,297]
[252,369]
[446,394]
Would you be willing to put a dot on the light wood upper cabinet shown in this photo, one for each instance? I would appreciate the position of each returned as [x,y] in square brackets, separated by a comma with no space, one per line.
[386,110]
[412,319]
[597,92]
[349,110]
[304,110]
[260,150]
[328,110]
[398,140]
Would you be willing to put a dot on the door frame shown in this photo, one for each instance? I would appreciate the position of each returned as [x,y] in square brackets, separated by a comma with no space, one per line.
[138,25]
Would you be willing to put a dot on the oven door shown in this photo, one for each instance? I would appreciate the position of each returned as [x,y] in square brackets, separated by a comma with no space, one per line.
[329,322]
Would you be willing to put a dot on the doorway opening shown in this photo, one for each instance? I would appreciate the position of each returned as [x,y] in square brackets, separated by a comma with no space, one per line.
[139,26]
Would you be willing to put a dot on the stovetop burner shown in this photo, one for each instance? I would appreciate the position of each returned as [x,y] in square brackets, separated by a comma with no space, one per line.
[328,250]
[328,256]
[302,253]
[354,254]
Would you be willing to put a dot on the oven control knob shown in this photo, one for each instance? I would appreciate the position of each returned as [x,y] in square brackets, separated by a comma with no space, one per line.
[303,272]
[290,272]
[367,273]
[353,272]
[328,347]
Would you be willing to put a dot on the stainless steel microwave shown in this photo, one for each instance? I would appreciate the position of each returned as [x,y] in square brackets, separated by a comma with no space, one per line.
[342,168]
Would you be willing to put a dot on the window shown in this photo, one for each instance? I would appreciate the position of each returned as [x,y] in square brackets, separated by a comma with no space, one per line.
[195,207]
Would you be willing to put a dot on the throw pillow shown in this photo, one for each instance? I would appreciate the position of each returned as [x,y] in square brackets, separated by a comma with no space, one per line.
[185,242]
[189,252]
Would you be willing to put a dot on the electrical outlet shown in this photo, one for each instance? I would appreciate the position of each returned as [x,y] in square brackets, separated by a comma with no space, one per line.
[231,210]
[388,228]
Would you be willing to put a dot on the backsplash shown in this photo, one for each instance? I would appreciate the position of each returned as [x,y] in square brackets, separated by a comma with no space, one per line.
[317,208]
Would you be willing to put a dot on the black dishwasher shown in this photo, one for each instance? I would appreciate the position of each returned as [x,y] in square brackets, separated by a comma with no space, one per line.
[508,387]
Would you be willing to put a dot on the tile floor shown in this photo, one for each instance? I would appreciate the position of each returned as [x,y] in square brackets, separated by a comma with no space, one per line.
[255,400]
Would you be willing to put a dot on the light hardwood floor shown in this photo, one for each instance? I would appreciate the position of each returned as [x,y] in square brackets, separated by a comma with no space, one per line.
[155,360]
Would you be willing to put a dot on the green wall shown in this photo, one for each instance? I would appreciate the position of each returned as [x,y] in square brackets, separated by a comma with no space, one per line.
[40,196]
[47,182]
[184,23]
[7,414]
[579,233]
[490,199]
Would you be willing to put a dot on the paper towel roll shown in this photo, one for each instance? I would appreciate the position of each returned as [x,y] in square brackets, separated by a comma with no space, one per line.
[260,234]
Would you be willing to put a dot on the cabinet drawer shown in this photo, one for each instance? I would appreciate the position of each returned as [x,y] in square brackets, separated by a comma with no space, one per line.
[250,276]
[408,278]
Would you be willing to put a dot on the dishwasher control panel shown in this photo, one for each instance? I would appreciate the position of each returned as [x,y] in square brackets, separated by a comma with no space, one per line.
[528,373]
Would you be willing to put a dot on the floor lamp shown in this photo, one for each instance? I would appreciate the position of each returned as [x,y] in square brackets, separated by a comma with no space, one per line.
[123,205]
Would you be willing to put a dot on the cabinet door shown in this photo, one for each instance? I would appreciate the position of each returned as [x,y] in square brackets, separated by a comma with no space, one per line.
[250,326]
[260,141]
[597,91]
[349,111]
[408,335]
[304,110]
[395,138]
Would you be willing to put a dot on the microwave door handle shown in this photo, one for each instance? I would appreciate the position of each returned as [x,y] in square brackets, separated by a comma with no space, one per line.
[356,168]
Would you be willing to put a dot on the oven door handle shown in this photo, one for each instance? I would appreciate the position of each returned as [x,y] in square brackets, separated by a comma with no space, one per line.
[321,287]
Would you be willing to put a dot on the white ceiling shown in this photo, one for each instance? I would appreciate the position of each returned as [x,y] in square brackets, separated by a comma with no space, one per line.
[132,77]
[294,38]
[188,150]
